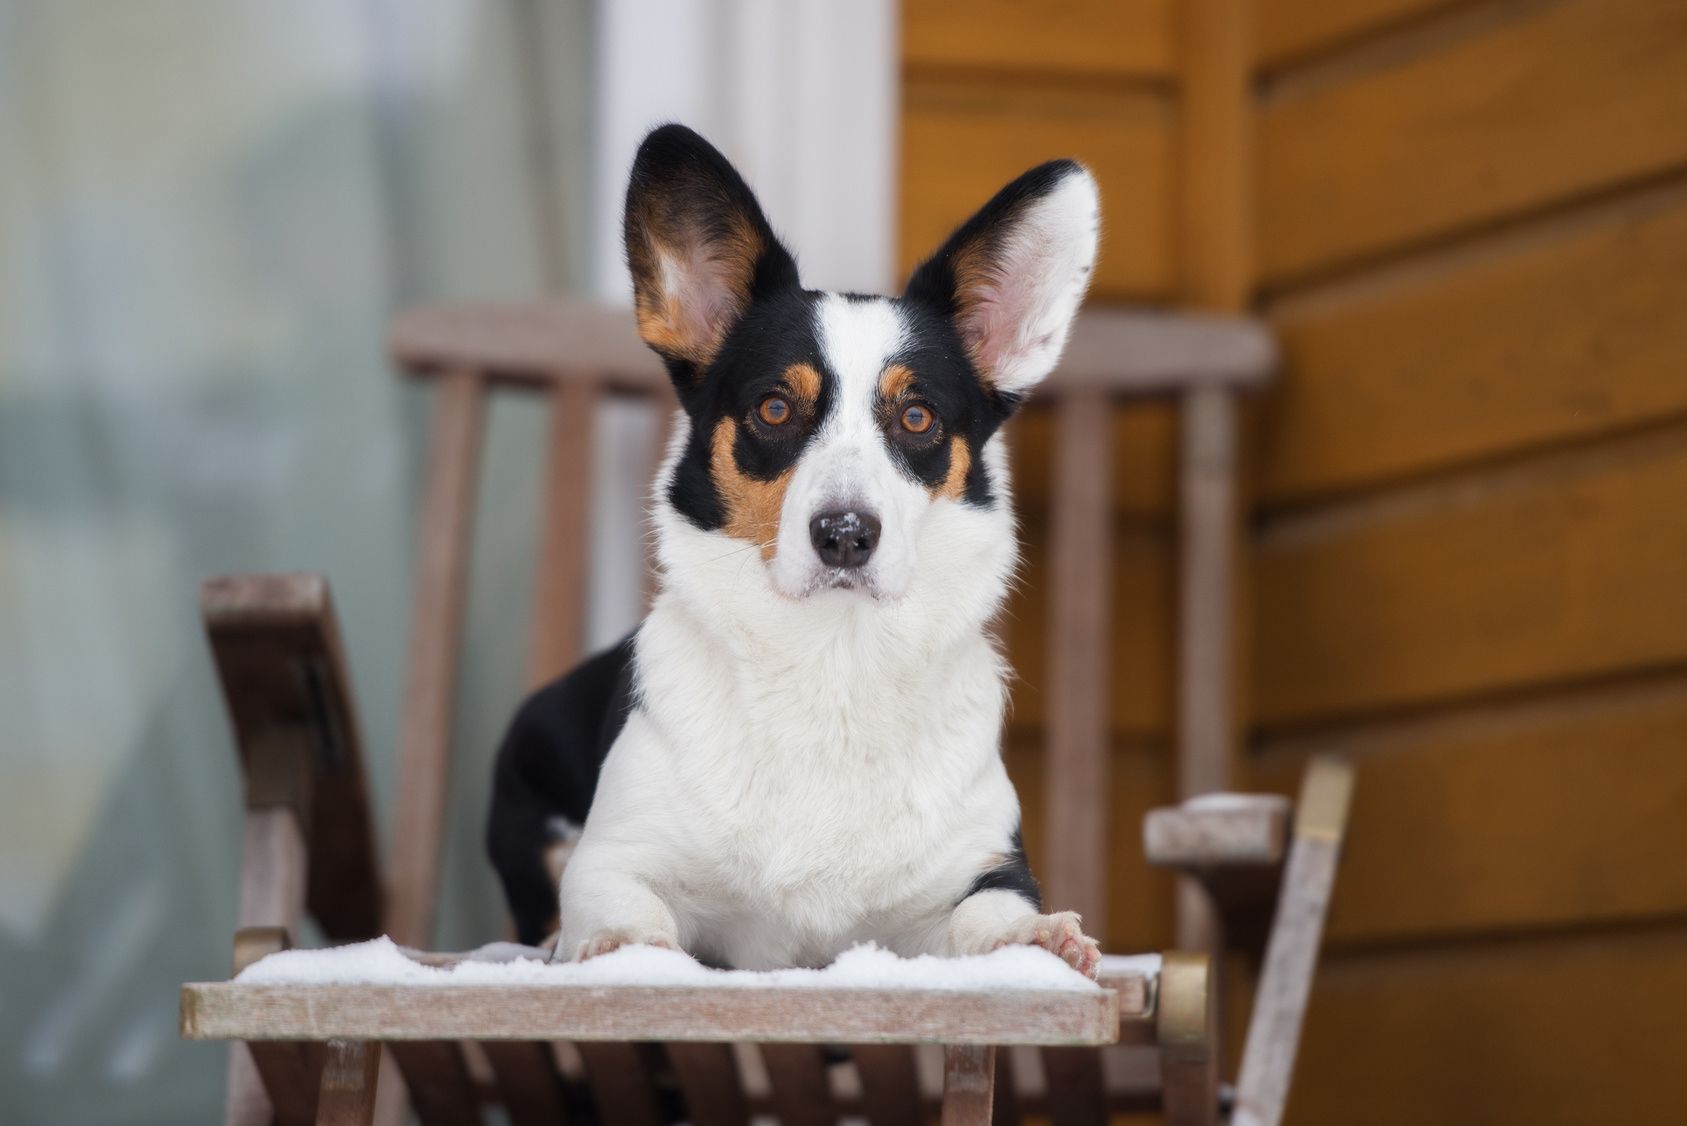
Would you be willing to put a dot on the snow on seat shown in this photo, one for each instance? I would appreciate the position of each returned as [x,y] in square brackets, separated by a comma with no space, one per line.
[375,990]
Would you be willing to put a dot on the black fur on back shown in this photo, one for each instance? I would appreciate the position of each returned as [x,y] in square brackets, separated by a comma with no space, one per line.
[547,768]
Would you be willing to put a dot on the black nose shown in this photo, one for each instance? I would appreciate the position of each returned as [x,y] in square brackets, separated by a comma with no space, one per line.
[844,539]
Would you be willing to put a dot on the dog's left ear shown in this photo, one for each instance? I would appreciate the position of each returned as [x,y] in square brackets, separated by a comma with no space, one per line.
[699,249]
[1012,277]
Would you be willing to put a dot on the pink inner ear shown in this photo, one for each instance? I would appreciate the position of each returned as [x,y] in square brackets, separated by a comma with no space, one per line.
[701,293]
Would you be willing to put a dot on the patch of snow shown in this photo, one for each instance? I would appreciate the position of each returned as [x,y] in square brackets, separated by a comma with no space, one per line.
[382,962]
[1225,801]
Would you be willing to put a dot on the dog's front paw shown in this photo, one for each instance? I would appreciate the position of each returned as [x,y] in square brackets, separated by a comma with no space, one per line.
[1060,934]
[613,938]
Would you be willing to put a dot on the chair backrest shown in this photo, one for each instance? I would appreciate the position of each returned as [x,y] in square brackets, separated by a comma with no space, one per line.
[576,354]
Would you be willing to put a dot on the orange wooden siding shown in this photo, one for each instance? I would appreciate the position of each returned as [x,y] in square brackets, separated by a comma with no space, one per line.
[1468,532]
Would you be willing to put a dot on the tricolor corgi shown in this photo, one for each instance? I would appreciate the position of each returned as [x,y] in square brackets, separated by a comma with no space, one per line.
[799,748]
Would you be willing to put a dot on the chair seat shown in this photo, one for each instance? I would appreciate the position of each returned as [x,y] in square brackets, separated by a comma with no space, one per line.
[235,1010]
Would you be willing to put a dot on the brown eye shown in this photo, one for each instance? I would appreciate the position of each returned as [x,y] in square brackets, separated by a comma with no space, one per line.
[774,411]
[917,419]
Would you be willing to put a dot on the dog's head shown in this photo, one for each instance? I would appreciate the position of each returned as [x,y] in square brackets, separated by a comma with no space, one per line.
[843,442]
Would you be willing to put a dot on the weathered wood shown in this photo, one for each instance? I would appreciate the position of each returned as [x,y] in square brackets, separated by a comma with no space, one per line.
[1594,782]
[1075,1093]
[439,590]
[1342,161]
[890,1085]
[801,1094]
[287,686]
[239,1011]
[1558,332]
[348,1083]
[969,1079]
[1078,628]
[962,140]
[290,1073]
[528,344]
[1245,829]
[709,1084]
[1291,954]
[559,603]
[1447,593]
[1101,37]
[529,1088]
[621,1081]
[1186,1027]
[1206,713]
[441,1091]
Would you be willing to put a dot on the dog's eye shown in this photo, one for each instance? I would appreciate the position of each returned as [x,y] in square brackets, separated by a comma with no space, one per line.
[774,411]
[917,418]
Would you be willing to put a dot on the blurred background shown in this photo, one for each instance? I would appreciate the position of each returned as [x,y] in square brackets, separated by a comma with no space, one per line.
[1466,536]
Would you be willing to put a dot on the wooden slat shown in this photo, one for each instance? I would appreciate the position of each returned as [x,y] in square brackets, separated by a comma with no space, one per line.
[1560,569]
[559,603]
[801,1094]
[290,1073]
[529,1088]
[1291,29]
[709,1083]
[623,1087]
[963,140]
[285,679]
[1558,334]
[1107,37]
[528,343]
[890,1087]
[348,1083]
[1132,352]
[1207,728]
[1078,631]
[1247,829]
[1553,1031]
[439,589]
[1546,813]
[1216,222]
[1291,954]
[969,1079]
[441,1091]
[1075,1093]
[1552,101]
[237,1011]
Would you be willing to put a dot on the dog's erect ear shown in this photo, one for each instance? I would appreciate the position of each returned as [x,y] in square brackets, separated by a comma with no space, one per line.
[1012,277]
[698,246]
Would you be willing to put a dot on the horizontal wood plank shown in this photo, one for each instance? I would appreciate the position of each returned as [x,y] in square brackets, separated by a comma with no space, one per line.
[1559,335]
[1111,37]
[1555,570]
[1554,101]
[1552,1032]
[963,140]
[1558,812]
[1292,29]
[236,1011]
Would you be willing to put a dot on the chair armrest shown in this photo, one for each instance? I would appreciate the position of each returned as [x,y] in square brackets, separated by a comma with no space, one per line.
[276,644]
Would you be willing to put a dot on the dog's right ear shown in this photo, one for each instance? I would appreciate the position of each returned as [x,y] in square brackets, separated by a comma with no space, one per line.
[699,249]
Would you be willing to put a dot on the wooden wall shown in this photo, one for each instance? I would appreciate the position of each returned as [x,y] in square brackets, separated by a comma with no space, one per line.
[1468,223]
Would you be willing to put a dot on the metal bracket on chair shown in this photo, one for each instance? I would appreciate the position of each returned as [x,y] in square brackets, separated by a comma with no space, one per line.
[1184,1023]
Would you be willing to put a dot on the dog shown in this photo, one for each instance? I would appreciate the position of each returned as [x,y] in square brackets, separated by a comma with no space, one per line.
[798,750]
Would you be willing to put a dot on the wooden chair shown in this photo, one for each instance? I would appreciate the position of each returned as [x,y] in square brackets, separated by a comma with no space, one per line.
[642,1054]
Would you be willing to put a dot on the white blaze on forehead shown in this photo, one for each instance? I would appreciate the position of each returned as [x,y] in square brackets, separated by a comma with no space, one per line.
[858,339]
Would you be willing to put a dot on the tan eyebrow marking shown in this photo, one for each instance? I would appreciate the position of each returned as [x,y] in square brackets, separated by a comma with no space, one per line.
[804,382]
[895,381]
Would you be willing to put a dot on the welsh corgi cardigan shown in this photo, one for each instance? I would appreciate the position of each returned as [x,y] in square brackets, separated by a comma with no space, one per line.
[798,750]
